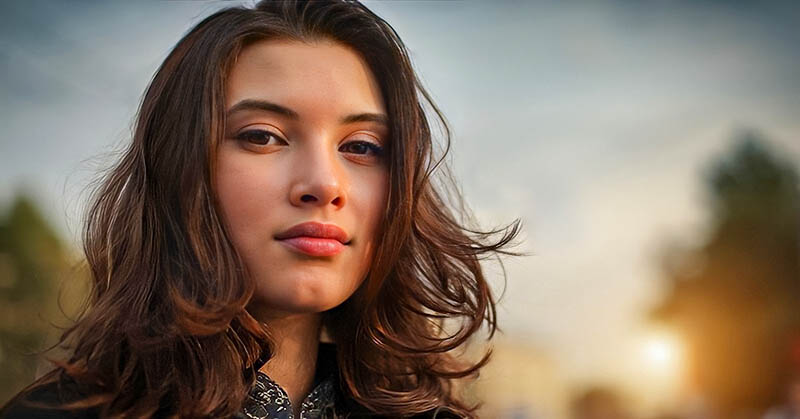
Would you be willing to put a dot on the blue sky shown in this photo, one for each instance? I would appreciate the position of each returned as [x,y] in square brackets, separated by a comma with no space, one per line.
[591,121]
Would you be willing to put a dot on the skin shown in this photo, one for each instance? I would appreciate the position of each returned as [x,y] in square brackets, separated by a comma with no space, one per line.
[275,171]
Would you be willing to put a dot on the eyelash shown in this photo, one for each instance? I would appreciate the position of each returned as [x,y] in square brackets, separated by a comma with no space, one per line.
[264,134]
[257,134]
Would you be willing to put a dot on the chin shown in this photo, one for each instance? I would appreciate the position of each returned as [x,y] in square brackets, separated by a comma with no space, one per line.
[300,299]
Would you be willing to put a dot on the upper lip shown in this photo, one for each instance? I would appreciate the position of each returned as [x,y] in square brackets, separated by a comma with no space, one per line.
[315,229]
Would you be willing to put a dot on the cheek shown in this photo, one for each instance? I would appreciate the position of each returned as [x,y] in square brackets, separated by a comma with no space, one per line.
[373,200]
[246,193]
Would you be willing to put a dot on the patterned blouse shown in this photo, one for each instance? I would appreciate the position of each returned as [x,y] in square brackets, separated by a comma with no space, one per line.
[325,401]
[268,400]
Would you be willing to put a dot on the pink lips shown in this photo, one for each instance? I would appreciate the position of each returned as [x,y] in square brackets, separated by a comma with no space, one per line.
[315,239]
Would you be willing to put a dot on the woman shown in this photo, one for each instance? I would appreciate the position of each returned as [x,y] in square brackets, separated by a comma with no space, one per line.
[277,189]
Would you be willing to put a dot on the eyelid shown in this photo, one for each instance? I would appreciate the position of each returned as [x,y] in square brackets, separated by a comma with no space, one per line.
[262,127]
[376,137]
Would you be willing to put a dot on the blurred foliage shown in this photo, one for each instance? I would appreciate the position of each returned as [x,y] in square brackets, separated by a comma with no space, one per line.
[735,298]
[33,263]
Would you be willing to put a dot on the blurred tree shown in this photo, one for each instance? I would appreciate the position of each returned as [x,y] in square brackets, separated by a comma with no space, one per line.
[736,298]
[33,260]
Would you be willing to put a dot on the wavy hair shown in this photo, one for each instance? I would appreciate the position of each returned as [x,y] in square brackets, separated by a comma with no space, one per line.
[166,330]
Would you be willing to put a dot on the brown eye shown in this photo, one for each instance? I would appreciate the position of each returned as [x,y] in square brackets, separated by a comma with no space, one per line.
[259,137]
[362,147]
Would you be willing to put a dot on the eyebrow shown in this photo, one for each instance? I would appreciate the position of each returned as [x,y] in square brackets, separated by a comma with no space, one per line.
[366,117]
[263,105]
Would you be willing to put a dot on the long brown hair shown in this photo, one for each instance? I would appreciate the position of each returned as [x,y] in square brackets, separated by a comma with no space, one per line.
[166,329]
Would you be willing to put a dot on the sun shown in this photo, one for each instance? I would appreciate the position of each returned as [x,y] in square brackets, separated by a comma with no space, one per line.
[662,353]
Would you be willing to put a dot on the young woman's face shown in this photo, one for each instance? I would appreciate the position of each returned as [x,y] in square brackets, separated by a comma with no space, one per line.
[305,132]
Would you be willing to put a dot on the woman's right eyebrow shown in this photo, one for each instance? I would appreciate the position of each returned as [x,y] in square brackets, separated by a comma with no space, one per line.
[261,105]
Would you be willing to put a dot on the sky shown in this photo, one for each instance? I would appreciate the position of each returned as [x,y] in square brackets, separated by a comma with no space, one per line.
[591,121]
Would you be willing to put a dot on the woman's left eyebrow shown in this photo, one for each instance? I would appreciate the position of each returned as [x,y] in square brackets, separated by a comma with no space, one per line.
[366,117]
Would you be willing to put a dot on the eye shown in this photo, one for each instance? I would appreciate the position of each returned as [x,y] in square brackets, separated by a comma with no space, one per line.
[363,148]
[259,137]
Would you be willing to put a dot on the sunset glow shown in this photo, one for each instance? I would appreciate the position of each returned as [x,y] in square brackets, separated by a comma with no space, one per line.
[662,354]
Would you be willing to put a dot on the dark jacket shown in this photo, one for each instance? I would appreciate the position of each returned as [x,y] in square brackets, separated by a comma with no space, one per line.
[51,395]
[266,399]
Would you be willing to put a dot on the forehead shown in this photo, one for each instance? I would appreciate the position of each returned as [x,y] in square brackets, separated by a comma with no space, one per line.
[320,76]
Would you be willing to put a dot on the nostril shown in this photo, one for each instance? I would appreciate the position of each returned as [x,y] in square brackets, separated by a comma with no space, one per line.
[307,198]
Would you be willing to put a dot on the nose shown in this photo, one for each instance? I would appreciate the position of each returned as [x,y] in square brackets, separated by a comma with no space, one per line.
[319,180]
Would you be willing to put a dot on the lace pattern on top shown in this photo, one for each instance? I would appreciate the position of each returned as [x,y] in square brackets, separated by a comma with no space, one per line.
[267,400]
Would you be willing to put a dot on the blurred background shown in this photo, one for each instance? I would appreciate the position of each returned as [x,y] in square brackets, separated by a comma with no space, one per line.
[651,148]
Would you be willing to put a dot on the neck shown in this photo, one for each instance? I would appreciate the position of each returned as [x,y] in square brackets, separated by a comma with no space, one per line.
[295,340]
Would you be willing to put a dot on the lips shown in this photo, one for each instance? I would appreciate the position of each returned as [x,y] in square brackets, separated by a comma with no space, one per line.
[314,239]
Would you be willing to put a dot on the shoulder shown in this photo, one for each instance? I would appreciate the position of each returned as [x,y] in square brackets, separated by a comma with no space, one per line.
[45,401]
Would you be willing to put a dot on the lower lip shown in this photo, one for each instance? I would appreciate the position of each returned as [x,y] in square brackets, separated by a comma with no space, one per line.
[314,246]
